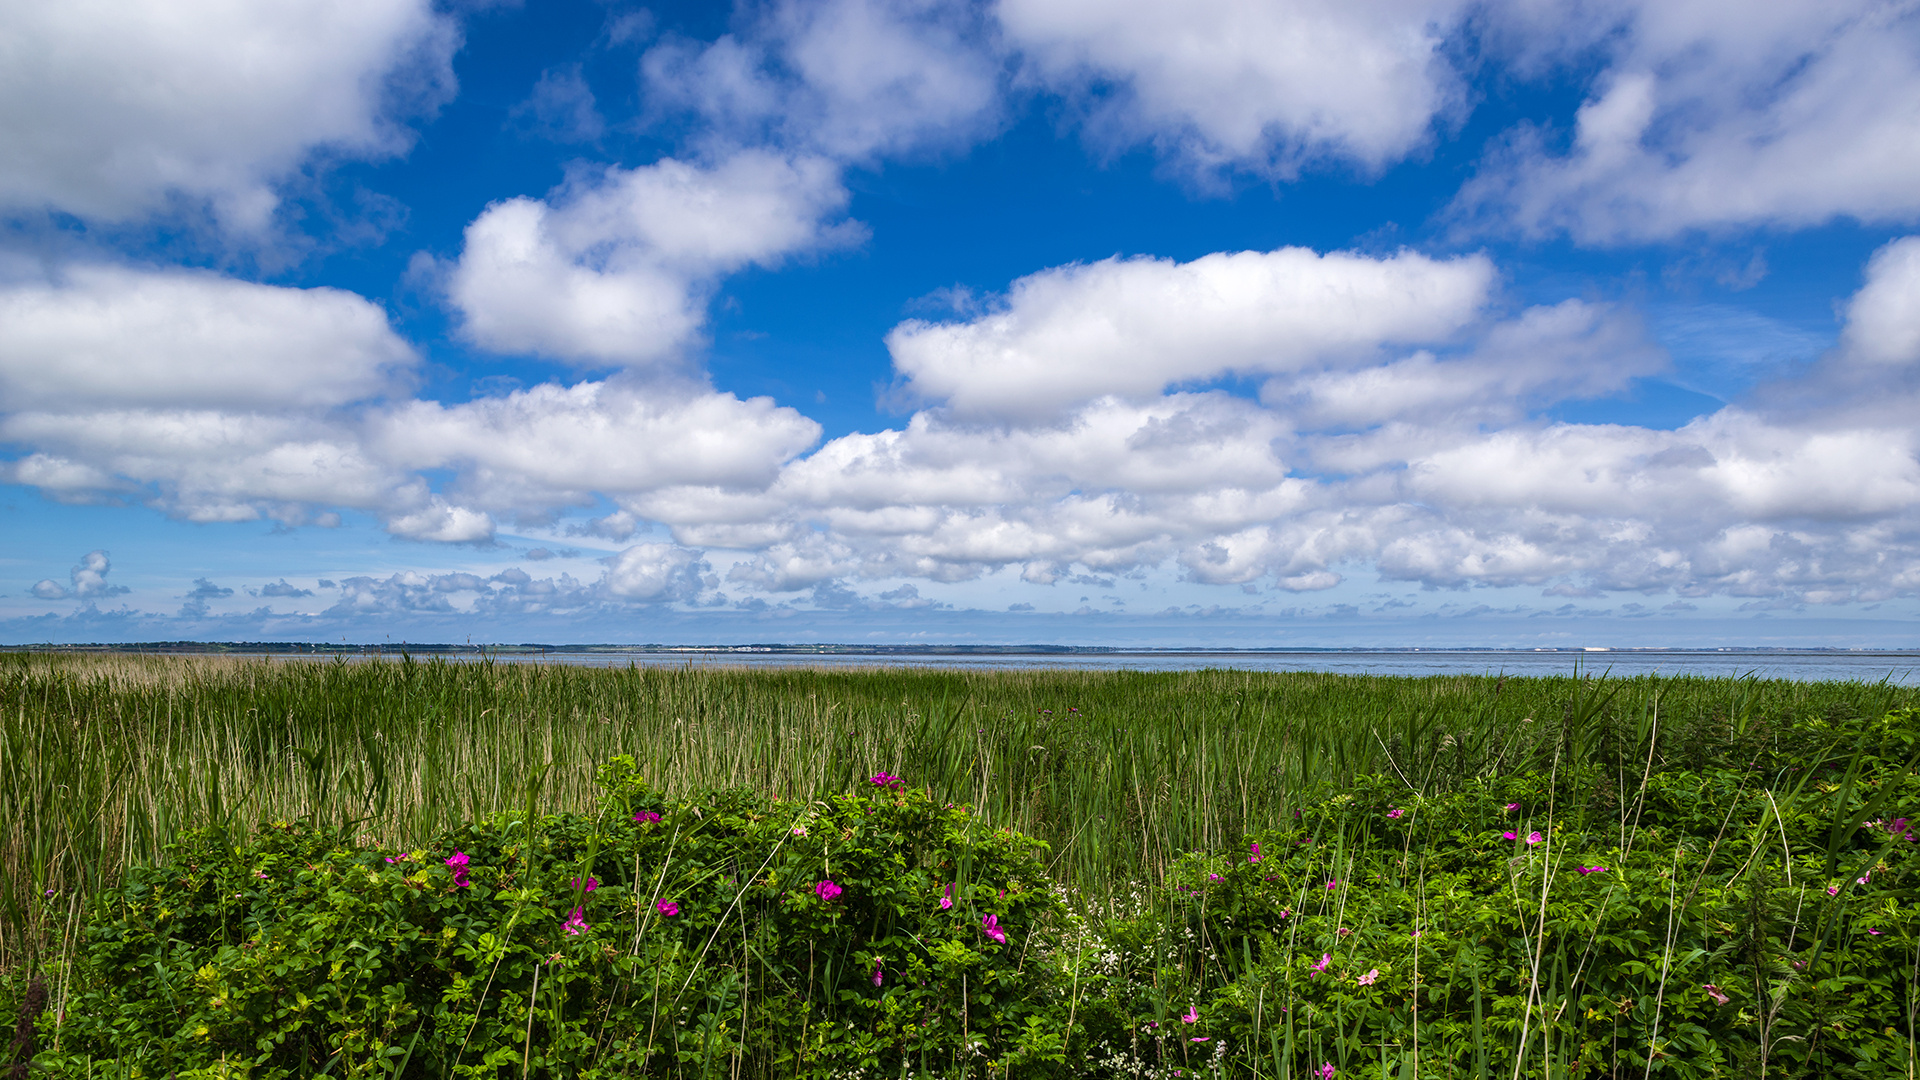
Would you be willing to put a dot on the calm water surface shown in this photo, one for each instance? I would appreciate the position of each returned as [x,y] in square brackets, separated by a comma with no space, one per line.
[1902,668]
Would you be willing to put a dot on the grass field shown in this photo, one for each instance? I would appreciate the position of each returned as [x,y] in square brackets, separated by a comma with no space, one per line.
[107,757]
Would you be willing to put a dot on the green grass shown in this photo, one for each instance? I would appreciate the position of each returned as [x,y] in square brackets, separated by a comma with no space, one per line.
[106,758]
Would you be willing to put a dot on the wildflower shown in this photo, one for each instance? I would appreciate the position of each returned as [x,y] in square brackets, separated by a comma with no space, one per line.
[1255,857]
[1511,807]
[1714,992]
[459,863]
[827,890]
[1585,870]
[261,874]
[1344,931]
[1833,890]
[1201,1038]
[1863,879]
[1875,933]
[1284,913]
[885,780]
[1325,960]
[876,975]
[592,884]
[576,923]
[1509,835]
[667,908]
[1192,1014]
[1367,979]
[1395,813]
[1213,877]
[1327,1070]
[1534,838]
[644,817]
[1334,882]
[991,924]
[946,898]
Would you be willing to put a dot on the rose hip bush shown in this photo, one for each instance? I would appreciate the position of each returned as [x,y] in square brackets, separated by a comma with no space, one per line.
[657,938]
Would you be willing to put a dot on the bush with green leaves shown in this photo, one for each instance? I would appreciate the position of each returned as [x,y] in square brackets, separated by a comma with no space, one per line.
[694,938]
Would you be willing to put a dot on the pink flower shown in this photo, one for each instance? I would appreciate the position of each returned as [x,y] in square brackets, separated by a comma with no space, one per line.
[1343,931]
[876,975]
[1511,807]
[1367,979]
[459,863]
[645,816]
[827,890]
[1875,933]
[799,830]
[1284,913]
[592,884]
[577,922]
[1201,1038]
[1509,835]
[1714,992]
[1534,838]
[1334,882]
[1585,870]
[1192,1014]
[1255,857]
[1327,1070]
[991,924]
[1325,959]
[1213,877]
[1395,813]
[1833,890]
[1863,879]
[667,908]
[946,898]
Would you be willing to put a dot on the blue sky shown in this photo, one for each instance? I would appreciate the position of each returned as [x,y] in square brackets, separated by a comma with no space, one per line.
[1413,322]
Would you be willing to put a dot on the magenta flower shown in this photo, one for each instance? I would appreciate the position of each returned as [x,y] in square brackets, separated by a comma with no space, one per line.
[827,890]
[644,817]
[1367,979]
[459,863]
[1509,835]
[1534,838]
[991,924]
[1864,879]
[1714,992]
[1511,807]
[1255,857]
[1395,813]
[592,884]
[1325,959]
[576,923]
[887,780]
[1585,870]
[946,898]
[1191,1015]
[1327,1071]
[1201,1038]
[1213,877]
[1284,913]
[667,908]
[877,976]
[1833,890]
[1343,931]
[1333,883]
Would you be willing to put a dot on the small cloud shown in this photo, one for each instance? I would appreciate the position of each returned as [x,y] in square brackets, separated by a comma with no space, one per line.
[89,580]
[539,554]
[279,588]
[203,590]
[1019,607]
[561,108]
[326,584]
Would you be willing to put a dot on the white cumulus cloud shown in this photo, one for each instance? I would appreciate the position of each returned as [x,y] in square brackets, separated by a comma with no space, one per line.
[615,267]
[1133,326]
[109,108]
[1267,86]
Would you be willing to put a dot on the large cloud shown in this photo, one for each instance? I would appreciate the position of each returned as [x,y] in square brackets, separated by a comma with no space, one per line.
[616,266]
[1710,116]
[118,336]
[1133,326]
[108,108]
[1269,86]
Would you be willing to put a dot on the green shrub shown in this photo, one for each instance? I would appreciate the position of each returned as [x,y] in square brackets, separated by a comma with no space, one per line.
[686,938]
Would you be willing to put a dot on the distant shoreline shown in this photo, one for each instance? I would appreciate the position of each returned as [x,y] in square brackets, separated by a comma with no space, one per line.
[216,648]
